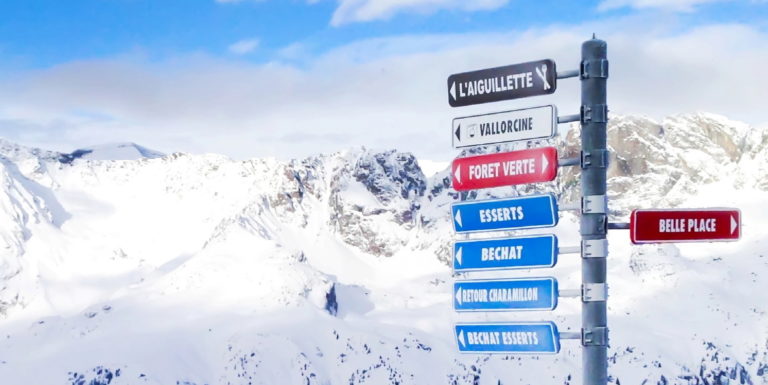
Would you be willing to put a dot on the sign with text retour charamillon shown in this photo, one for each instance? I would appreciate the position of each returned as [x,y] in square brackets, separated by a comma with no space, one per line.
[502,83]
[505,294]
[506,126]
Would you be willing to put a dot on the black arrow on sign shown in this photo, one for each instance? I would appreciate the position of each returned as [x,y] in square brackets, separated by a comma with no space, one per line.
[458,133]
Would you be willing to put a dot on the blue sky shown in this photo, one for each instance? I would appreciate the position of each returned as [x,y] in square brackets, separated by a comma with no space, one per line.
[40,33]
[200,75]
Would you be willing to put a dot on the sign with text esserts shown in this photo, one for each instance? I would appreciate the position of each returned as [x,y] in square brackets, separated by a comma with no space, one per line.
[508,253]
[511,337]
[504,169]
[506,126]
[525,212]
[686,225]
[502,83]
[505,294]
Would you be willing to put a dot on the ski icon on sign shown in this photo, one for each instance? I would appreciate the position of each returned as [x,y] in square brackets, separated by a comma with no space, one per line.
[542,72]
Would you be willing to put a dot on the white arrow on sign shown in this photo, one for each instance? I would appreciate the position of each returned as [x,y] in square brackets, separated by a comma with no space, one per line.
[461,338]
[458,296]
[544,164]
[734,225]
[458,255]
[453,90]
[458,217]
[457,174]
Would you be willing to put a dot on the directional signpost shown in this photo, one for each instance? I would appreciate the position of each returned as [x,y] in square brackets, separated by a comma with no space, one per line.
[504,169]
[507,126]
[526,212]
[502,83]
[541,251]
[507,253]
[505,294]
[687,225]
[513,337]
[537,165]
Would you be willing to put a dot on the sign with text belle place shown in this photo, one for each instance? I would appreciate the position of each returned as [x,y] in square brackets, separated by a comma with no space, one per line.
[686,225]
[502,83]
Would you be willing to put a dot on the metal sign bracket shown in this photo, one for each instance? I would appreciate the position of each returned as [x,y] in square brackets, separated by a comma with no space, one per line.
[594,69]
[596,158]
[594,204]
[594,248]
[596,113]
[597,336]
[591,292]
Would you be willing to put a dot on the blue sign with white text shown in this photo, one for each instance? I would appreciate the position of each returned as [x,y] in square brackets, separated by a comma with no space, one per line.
[505,294]
[513,337]
[508,253]
[503,214]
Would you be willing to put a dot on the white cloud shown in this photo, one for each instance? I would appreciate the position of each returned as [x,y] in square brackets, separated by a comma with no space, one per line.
[243,47]
[672,5]
[381,93]
[368,10]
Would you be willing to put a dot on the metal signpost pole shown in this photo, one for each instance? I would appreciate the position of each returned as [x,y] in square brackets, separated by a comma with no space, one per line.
[594,74]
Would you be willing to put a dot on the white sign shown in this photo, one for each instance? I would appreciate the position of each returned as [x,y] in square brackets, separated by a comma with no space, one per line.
[506,126]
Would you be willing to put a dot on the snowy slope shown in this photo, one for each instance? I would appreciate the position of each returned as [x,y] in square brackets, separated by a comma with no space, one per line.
[197,269]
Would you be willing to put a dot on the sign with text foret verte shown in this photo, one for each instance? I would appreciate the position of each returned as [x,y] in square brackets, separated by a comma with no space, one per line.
[504,169]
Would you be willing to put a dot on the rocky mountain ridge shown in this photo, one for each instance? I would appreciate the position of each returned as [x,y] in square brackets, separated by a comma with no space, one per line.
[342,231]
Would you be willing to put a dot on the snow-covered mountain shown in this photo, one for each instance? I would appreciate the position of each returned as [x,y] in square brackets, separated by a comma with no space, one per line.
[113,151]
[198,269]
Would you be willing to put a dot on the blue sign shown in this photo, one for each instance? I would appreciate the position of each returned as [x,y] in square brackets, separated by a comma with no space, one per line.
[509,253]
[503,214]
[513,337]
[505,294]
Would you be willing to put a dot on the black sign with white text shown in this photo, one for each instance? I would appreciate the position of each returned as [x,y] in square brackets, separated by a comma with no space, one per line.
[502,83]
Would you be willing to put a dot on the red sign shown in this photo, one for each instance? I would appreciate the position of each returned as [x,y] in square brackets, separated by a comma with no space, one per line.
[687,225]
[505,169]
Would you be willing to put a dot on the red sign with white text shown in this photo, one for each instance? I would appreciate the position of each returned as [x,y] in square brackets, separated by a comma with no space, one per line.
[504,169]
[687,225]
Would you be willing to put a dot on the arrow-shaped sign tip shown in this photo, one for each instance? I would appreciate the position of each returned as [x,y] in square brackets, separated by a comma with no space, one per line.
[461,338]
[734,225]
[453,90]
[457,218]
[458,255]
[457,173]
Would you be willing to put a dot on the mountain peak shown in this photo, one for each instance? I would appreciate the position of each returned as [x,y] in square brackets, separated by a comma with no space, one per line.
[114,151]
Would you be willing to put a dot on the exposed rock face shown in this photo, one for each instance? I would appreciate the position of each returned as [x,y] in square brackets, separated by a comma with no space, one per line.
[661,164]
[378,204]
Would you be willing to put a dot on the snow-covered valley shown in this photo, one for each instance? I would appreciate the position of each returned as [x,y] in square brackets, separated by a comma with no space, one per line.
[334,269]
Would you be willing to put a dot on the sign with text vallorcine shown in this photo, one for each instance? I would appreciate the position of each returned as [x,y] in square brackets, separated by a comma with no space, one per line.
[534,165]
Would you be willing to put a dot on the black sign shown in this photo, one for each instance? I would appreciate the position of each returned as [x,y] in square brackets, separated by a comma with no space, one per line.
[502,83]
